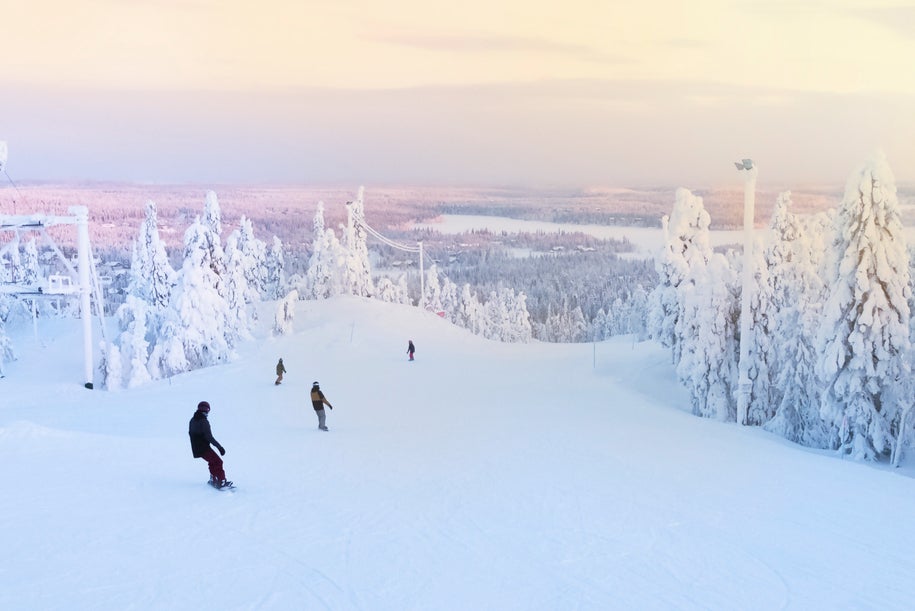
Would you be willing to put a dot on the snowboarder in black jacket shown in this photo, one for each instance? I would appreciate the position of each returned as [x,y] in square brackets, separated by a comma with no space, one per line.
[411,349]
[201,439]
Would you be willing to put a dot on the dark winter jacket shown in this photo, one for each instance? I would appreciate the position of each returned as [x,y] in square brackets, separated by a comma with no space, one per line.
[318,399]
[280,368]
[201,436]
[411,348]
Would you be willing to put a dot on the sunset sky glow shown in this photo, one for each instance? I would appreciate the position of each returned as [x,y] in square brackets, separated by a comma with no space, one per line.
[474,92]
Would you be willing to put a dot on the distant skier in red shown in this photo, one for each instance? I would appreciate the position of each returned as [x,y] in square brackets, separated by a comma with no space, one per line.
[411,349]
[201,438]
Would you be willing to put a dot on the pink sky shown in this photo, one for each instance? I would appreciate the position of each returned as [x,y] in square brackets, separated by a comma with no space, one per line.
[505,92]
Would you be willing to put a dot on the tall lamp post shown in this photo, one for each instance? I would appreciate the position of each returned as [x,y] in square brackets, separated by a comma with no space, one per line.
[745,385]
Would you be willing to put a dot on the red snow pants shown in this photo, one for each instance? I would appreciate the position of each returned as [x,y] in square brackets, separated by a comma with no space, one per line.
[215,464]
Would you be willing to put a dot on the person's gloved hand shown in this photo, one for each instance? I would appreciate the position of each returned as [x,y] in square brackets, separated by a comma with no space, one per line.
[222,451]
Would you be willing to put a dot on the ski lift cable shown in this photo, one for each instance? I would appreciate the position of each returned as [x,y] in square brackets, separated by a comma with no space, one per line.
[15,186]
[390,242]
[387,241]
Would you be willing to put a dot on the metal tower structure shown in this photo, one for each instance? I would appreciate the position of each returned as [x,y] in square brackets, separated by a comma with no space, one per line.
[80,283]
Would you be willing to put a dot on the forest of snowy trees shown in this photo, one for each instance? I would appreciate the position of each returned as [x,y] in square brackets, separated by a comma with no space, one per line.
[831,326]
[830,339]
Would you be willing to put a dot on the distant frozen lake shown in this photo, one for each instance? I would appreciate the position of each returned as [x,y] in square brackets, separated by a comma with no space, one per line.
[646,240]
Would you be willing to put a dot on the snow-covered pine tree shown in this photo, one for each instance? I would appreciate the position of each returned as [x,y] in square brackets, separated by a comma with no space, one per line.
[276,270]
[637,306]
[390,292]
[519,319]
[707,332]
[31,269]
[198,321]
[212,232]
[795,291]
[285,313]
[151,275]
[132,343]
[111,366]
[764,396]
[236,290]
[323,276]
[449,298]
[433,290]
[149,289]
[253,256]
[357,273]
[686,244]
[864,337]
[404,291]
[17,271]
[7,353]
[470,313]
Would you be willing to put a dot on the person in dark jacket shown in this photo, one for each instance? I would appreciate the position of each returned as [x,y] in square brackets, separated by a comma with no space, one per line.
[201,439]
[280,370]
[318,400]
[411,349]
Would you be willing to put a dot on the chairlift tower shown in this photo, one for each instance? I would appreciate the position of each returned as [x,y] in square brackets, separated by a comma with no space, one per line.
[744,384]
[86,279]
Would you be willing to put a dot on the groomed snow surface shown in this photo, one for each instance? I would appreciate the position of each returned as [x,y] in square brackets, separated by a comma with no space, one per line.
[480,476]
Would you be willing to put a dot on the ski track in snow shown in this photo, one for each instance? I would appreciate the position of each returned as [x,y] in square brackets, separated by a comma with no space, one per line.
[480,476]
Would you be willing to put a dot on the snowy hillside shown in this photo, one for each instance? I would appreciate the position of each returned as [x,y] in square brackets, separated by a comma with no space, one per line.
[480,476]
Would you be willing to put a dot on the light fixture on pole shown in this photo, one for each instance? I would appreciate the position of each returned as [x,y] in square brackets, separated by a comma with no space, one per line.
[744,383]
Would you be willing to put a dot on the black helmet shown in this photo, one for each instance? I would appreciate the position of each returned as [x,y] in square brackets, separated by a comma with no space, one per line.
[204,407]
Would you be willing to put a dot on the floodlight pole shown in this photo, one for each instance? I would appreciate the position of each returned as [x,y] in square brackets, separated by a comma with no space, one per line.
[422,279]
[744,384]
[82,234]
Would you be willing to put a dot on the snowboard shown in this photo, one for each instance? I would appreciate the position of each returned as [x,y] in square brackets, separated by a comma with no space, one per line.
[229,488]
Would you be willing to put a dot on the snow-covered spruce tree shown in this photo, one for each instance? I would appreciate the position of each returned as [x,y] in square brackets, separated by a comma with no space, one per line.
[132,344]
[637,306]
[149,289]
[863,340]
[911,253]
[795,291]
[151,275]
[450,299]
[433,298]
[285,313]
[386,290]
[236,289]
[253,257]
[471,314]
[276,270]
[390,292]
[212,232]
[357,273]
[7,353]
[197,326]
[111,366]
[563,324]
[686,244]
[31,269]
[707,329]
[519,318]
[507,318]
[764,395]
[404,291]
[323,278]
